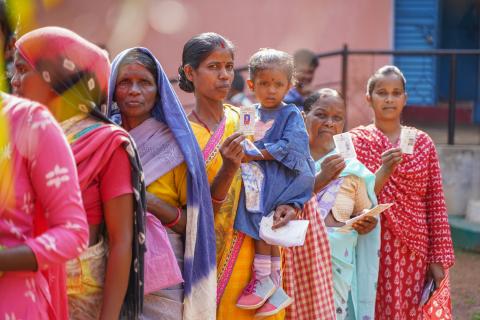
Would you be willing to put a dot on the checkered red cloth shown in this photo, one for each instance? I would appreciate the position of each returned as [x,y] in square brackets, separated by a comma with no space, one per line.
[307,271]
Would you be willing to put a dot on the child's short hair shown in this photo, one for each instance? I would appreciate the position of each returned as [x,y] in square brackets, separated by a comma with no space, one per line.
[382,72]
[320,94]
[305,57]
[267,58]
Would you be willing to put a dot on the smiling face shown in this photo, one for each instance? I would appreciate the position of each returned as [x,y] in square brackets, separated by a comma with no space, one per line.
[325,119]
[135,92]
[270,86]
[214,75]
[388,98]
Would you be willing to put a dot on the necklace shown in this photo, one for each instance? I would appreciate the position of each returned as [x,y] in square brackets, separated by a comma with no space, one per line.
[201,122]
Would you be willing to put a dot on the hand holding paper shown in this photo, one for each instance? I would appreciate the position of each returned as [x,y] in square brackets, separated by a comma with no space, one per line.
[291,235]
[344,145]
[408,137]
[374,212]
[247,120]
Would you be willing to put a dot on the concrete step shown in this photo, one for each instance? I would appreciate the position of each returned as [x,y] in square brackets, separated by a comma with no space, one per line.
[465,234]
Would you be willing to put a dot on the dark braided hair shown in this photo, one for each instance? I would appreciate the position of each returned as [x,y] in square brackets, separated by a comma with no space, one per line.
[196,50]
[382,72]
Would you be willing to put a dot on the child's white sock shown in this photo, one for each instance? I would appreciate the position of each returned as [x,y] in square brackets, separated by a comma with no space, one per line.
[262,265]
[275,272]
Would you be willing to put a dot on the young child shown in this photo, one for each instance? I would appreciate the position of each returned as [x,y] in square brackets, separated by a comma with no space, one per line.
[280,180]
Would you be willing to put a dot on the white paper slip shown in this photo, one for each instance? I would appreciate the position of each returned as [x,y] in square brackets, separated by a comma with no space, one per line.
[344,145]
[375,211]
[291,235]
[247,120]
[408,137]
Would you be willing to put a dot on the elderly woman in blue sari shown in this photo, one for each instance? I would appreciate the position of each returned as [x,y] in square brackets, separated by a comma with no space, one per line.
[143,101]
[344,188]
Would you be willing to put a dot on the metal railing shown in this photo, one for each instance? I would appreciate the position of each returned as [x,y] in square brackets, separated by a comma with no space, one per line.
[345,53]
[453,53]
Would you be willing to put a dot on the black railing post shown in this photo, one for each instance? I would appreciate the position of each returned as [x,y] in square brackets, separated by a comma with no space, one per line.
[452,99]
[345,76]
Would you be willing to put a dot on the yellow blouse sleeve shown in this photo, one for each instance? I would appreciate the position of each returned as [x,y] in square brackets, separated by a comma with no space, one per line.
[172,186]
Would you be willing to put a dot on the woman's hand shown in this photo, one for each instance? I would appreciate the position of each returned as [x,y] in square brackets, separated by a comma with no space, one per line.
[247,158]
[166,213]
[232,155]
[151,201]
[365,225]
[391,159]
[232,151]
[331,168]
[283,214]
[436,272]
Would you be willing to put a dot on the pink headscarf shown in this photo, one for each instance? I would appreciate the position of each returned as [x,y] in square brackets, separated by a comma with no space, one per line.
[75,68]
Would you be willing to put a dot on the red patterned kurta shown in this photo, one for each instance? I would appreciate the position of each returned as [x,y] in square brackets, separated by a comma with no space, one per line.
[415,231]
[307,271]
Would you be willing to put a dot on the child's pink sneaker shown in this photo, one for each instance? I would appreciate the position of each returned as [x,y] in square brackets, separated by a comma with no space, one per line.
[276,303]
[256,293]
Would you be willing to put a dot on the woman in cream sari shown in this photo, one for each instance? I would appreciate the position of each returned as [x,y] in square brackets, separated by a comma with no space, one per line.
[207,71]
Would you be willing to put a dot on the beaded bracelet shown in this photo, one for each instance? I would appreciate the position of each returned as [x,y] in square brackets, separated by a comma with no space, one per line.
[175,221]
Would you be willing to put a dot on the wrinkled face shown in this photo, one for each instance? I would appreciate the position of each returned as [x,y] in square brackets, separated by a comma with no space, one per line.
[324,120]
[135,91]
[388,98]
[270,86]
[304,75]
[213,77]
[28,83]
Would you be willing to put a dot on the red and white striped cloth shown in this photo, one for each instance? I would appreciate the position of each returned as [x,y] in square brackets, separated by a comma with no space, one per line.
[307,271]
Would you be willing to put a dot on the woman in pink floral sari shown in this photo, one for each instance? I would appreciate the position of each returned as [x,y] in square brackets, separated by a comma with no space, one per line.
[36,186]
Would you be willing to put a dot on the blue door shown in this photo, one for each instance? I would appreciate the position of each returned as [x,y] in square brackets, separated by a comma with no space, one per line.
[416,27]
[459,29]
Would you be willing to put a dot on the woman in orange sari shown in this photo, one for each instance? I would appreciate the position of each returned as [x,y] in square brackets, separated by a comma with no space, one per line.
[207,71]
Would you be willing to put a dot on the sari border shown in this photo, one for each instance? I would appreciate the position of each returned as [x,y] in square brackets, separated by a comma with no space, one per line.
[210,151]
[223,275]
[213,144]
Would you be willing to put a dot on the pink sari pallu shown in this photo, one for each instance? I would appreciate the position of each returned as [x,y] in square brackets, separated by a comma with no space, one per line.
[161,267]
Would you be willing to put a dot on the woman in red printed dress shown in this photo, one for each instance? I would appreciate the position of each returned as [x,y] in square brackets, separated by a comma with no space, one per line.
[416,242]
